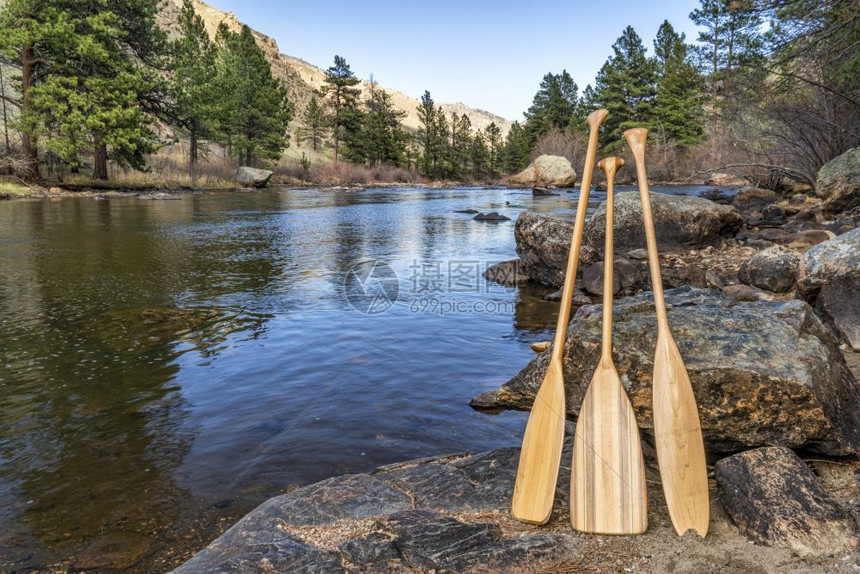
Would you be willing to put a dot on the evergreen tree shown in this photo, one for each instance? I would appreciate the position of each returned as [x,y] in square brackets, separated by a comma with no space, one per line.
[494,145]
[515,155]
[379,139]
[340,82]
[730,43]
[441,145]
[194,82]
[678,106]
[427,135]
[554,105]
[255,110]
[315,123]
[625,86]
[479,155]
[461,142]
[81,91]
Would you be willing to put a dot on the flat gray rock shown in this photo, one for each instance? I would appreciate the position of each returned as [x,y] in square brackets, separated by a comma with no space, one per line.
[397,519]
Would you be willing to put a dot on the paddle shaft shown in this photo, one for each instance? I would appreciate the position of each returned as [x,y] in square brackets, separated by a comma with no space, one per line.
[594,121]
[636,141]
[609,166]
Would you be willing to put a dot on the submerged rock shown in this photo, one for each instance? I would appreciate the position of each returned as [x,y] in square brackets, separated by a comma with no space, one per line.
[492,216]
[775,500]
[682,222]
[547,170]
[506,273]
[160,196]
[838,182]
[764,373]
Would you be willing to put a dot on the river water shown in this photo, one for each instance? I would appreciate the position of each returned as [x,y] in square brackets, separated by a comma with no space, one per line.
[167,365]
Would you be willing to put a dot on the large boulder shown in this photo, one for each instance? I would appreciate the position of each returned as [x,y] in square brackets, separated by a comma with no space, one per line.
[775,500]
[829,278]
[252,177]
[683,222]
[764,373]
[773,269]
[838,182]
[543,244]
[552,170]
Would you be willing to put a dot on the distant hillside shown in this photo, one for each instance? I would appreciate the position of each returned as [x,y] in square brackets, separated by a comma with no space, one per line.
[302,78]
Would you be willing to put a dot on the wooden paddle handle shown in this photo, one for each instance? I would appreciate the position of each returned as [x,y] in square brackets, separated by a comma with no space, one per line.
[594,120]
[610,167]
[636,139]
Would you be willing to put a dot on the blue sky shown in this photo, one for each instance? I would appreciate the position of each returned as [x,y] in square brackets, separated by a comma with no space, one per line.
[488,55]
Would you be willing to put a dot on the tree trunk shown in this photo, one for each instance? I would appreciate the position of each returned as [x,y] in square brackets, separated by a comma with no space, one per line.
[5,113]
[30,172]
[192,160]
[336,144]
[100,170]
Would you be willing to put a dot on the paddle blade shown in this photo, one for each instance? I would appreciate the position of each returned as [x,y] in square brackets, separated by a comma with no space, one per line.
[678,438]
[537,473]
[607,484]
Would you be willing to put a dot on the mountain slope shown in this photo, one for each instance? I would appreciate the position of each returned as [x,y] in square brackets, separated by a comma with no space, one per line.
[302,78]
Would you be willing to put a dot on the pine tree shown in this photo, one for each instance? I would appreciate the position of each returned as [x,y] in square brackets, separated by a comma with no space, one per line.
[441,145]
[554,105]
[515,155]
[625,86]
[315,123]
[426,135]
[678,106]
[194,82]
[494,145]
[461,143]
[479,154]
[81,92]
[380,139]
[730,43]
[255,111]
[340,88]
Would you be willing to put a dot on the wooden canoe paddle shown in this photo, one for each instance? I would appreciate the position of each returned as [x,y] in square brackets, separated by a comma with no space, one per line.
[607,475]
[537,473]
[677,430]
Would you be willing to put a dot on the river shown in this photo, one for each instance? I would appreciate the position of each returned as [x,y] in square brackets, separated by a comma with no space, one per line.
[167,365]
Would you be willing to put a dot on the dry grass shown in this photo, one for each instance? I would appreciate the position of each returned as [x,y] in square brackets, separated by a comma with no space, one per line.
[343,173]
[12,189]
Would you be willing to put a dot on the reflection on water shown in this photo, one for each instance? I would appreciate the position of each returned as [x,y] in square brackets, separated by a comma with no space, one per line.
[165,366]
